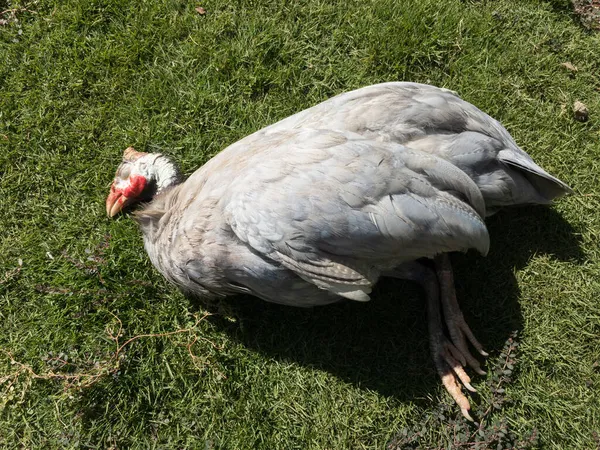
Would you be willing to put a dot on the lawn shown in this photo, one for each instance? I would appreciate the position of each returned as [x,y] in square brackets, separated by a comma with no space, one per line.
[97,350]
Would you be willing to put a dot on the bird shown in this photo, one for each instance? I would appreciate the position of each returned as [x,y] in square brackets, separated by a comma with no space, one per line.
[435,121]
[304,217]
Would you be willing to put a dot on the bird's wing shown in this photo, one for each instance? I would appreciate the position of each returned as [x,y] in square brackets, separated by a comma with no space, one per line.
[438,121]
[334,206]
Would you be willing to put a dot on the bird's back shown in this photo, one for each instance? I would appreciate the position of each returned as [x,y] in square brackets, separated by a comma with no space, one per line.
[437,121]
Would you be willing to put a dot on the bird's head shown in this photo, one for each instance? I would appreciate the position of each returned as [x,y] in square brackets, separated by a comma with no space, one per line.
[139,178]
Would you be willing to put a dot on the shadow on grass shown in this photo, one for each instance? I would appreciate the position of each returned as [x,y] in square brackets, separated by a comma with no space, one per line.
[383,345]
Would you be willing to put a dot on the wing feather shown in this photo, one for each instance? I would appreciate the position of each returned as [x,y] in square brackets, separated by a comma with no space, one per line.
[345,207]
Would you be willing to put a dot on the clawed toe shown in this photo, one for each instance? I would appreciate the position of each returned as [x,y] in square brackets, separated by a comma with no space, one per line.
[459,332]
[450,371]
[456,366]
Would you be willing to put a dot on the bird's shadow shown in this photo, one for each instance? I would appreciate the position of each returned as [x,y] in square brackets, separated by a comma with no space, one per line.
[382,345]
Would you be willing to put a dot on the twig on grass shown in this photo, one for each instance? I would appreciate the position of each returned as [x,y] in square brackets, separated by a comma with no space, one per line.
[85,379]
[13,11]
[12,273]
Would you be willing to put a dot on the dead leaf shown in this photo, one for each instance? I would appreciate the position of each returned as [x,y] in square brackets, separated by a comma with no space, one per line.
[569,66]
[580,111]
[200,10]
[3,22]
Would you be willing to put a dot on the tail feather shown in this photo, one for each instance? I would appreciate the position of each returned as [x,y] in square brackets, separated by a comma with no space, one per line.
[548,187]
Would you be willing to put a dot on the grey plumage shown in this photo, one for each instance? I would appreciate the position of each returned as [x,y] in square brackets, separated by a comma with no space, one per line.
[437,121]
[368,202]
[308,216]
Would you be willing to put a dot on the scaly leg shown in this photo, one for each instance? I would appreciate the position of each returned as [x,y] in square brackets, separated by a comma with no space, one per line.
[447,358]
[455,322]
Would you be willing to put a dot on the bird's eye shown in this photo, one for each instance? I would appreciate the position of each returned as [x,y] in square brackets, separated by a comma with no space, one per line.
[125,171]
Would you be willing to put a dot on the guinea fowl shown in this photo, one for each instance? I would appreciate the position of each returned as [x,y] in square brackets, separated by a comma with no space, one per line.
[435,121]
[304,217]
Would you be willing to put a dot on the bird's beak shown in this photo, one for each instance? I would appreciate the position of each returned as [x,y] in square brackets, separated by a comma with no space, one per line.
[115,202]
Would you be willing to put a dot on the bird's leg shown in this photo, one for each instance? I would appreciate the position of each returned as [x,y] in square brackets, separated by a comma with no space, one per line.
[455,322]
[447,358]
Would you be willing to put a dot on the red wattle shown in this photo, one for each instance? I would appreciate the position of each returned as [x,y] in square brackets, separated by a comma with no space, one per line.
[137,183]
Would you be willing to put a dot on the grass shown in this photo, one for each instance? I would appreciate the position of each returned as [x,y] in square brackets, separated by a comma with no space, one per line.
[81,80]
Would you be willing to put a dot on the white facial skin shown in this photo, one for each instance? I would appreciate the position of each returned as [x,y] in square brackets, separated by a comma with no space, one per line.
[136,173]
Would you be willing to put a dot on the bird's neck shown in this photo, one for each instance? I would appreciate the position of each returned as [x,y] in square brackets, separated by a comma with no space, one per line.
[164,174]
[165,180]
[150,215]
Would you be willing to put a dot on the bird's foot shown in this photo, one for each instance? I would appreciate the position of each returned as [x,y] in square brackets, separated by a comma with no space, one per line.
[455,322]
[449,360]
[449,366]
[459,334]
